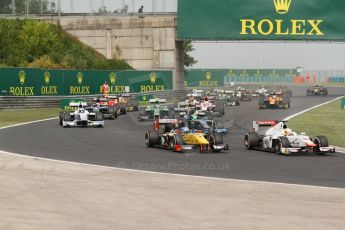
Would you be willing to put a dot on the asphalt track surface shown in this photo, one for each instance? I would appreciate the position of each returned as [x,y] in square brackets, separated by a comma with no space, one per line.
[121,144]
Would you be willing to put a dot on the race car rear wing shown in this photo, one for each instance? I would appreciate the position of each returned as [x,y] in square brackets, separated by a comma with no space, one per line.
[265,123]
[167,121]
[76,104]
[157,101]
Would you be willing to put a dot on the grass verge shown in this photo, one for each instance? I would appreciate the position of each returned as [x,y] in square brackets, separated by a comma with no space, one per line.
[327,120]
[12,117]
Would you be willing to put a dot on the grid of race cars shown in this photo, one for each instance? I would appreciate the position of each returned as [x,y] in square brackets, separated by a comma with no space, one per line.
[191,124]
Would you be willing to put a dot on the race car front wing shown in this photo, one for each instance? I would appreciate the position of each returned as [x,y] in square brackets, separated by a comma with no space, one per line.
[329,149]
[83,123]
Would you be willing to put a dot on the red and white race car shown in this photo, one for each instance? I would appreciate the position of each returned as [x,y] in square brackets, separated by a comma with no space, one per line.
[215,107]
[275,136]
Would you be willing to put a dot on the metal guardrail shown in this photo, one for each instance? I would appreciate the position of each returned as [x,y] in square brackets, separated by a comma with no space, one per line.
[14,102]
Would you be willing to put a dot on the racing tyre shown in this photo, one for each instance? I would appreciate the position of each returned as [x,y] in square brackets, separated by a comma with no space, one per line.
[151,138]
[218,108]
[112,111]
[174,141]
[251,140]
[285,143]
[135,106]
[261,103]
[215,139]
[99,116]
[223,110]
[115,112]
[277,147]
[66,116]
[282,142]
[61,117]
[320,141]
[123,110]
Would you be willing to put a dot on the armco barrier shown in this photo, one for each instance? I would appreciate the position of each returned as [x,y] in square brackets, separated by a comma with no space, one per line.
[13,102]
[10,102]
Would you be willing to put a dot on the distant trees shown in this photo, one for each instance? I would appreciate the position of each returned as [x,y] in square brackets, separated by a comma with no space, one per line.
[187,48]
[35,43]
[23,6]
[5,6]
[122,10]
[104,10]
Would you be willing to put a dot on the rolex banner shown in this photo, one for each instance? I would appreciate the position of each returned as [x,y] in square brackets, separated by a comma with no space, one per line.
[220,77]
[40,82]
[261,20]
[204,78]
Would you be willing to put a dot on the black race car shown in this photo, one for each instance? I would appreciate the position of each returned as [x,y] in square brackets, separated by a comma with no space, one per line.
[317,90]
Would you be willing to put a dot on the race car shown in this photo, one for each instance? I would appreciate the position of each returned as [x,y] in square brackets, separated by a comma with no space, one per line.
[205,125]
[170,135]
[80,117]
[275,136]
[183,108]
[260,92]
[157,108]
[216,107]
[274,99]
[231,99]
[243,94]
[105,106]
[317,90]
[128,101]
[285,90]
[119,102]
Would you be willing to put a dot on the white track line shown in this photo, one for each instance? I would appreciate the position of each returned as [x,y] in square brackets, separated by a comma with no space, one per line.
[314,107]
[170,174]
[27,123]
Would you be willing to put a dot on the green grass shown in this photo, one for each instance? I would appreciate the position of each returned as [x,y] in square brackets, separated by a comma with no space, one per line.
[11,116]
[327,120]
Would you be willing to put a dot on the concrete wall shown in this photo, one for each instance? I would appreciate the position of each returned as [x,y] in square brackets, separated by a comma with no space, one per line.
[146,42]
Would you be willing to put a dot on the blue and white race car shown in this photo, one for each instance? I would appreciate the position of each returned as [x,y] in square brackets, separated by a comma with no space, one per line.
[80,117]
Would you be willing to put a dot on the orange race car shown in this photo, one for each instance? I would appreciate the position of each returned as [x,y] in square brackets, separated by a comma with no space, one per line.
[273,100]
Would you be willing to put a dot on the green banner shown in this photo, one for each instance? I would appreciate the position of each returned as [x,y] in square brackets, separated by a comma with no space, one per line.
[40,82]
[217,78]
[260,75]
[261,20]
[143,99]
[204,78]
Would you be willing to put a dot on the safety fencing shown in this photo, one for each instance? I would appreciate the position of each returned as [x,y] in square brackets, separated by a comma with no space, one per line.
[13,102]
